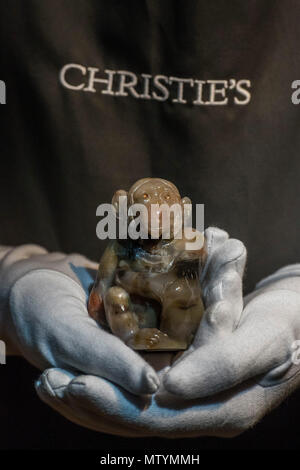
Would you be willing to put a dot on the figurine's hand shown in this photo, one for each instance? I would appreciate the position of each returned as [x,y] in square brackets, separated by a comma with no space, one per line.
[44,318]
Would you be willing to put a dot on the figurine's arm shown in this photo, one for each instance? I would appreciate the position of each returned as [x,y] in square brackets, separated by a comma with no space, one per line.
[104,280]
[108,303]
[107,269]
[189,249]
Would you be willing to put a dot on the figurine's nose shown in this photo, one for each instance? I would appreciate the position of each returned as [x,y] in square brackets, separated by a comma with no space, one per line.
[156,218]
[158,215]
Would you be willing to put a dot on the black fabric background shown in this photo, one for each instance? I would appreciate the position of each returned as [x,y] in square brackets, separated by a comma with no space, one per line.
[64,152]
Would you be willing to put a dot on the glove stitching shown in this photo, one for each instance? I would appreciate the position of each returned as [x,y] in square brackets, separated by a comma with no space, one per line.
[280,382]
[209,245]
[234,261]
[273,368]
[49,388]
[273,278]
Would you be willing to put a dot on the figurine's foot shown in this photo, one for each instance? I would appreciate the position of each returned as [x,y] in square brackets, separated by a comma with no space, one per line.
[155,340]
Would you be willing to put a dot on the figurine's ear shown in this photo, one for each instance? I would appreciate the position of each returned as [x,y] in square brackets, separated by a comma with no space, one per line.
[187,203]
[187,207]
[115,200]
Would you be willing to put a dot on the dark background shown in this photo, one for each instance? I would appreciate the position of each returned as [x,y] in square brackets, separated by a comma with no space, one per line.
[65,152]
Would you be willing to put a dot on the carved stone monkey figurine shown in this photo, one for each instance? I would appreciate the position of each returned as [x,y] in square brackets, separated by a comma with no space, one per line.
[148,290]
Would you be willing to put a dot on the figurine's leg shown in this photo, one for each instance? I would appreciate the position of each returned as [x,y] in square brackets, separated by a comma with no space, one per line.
[122,321]
[182,310]
[141,283]
[155,287]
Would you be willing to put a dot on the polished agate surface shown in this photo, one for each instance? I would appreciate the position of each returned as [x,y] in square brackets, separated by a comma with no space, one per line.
[147,291]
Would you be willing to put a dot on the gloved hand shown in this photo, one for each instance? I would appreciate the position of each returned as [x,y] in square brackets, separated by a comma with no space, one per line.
[100,405]
[252,368]
[43,316]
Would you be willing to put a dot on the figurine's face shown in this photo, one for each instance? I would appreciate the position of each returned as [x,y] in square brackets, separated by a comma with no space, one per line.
[157,195]
[164,212]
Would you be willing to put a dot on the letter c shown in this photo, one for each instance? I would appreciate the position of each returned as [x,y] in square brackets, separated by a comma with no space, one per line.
[62,76]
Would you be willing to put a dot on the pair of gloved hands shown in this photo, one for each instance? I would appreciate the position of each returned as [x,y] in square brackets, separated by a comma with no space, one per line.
[240,365]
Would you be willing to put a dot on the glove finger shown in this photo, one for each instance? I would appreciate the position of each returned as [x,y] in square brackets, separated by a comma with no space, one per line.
[100,405]
[224,302]
[231,255]
[216,322]
[214,238]
[54,329]
[223,292]
[90,401]
[261,345]
[291,270]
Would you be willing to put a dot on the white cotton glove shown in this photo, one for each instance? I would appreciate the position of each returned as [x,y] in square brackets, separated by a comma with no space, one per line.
[43,316]
[98,404]
[253,367]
